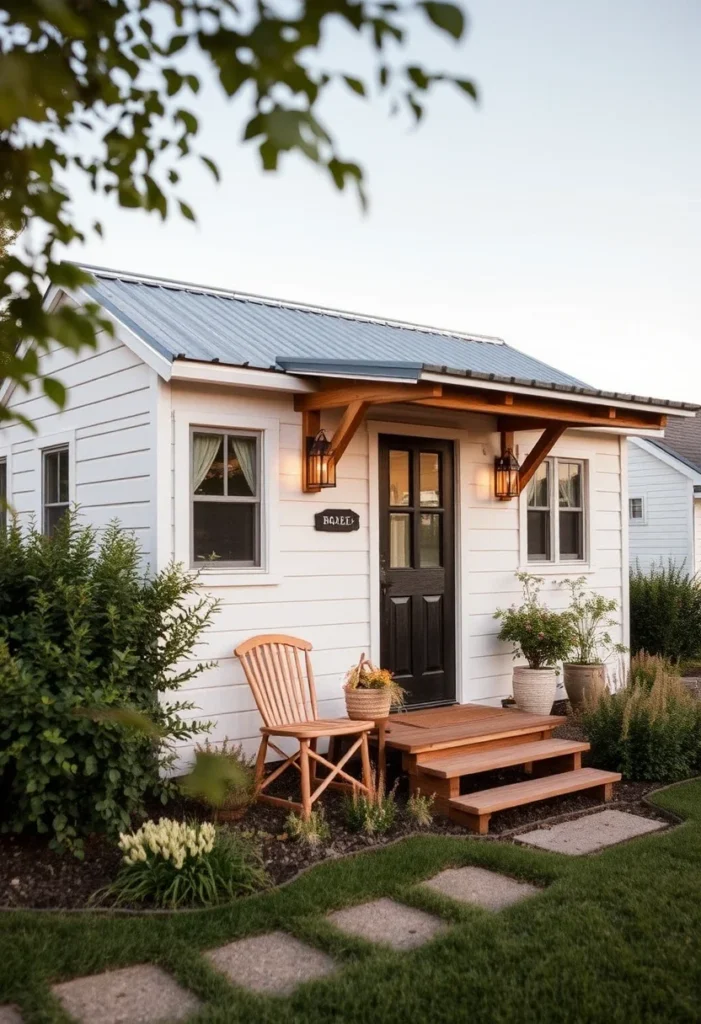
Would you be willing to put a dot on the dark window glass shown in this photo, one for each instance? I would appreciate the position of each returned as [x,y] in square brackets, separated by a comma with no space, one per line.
[571,536]
[569,476]
[3,495]
[636,508]
[241,466]
[430,478]
[55,487]
[538,535]
[225,532]
[539,487]
[430,540]
[399,478]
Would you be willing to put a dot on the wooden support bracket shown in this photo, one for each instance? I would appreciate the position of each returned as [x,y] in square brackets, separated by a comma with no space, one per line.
[542,448]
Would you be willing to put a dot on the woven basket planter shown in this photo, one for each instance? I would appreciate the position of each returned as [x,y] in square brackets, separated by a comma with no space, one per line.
[364,705]
[535,689]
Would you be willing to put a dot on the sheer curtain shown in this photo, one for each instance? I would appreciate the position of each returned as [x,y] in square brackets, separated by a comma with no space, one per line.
[245,452]
[204,452]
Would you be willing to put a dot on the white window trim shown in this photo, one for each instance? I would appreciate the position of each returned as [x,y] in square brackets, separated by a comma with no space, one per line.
[268,574]
[64,438]
[643,519]
[557,566]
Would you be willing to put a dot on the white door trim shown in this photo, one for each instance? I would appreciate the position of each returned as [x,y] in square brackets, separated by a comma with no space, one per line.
[375,428]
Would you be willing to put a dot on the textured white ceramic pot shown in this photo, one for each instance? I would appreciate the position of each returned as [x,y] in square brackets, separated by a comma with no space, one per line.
[534,689]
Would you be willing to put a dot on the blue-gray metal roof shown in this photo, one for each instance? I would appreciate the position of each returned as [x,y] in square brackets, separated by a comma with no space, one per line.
[183,321]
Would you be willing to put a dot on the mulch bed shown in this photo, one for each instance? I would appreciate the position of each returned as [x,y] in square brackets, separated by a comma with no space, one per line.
[32,876]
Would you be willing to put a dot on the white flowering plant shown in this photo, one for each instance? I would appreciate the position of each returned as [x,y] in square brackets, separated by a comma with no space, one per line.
[174,863]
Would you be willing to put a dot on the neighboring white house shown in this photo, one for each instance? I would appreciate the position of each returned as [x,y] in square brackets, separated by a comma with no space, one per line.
[191,426]
[664,497]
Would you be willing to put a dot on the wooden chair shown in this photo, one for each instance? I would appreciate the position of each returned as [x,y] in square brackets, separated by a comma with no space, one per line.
[286,697]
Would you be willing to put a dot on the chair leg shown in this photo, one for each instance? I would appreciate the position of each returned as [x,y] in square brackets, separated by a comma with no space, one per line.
[365,758]
[260,763]
[312,763]
[306,783]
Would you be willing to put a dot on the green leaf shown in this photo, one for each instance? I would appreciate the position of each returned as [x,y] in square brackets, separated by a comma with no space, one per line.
[469,87]
[447,17]
[186,210]
[355,85]
[212,167]
[55,390]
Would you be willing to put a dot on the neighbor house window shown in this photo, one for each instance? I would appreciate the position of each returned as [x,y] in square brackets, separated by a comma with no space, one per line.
[636,510]
[555,512]
[226,490]
[55,493]
[3,494]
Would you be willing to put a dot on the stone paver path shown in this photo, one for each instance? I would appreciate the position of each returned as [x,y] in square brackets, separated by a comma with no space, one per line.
[486,889]
[133,995]
[274,963]
[10,1015]
[590,833]
[387,922]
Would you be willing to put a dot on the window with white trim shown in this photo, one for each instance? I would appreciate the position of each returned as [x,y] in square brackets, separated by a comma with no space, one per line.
[225,490]
[3,494]
[55,486]
[636,510]
[555,512]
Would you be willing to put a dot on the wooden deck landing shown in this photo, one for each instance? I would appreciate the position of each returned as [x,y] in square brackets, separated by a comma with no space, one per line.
[440,746]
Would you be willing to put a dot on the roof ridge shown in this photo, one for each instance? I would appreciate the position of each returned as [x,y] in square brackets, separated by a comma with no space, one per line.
[304,307]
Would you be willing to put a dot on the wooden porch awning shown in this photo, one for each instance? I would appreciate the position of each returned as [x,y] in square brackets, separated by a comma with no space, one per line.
[513,410]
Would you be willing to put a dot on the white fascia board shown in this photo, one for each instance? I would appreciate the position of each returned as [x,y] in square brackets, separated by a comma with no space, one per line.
[621,431]
[241,376]
[560,396]
[668,459]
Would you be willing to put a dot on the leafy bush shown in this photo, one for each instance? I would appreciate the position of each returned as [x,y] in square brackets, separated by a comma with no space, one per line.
[541,635]
[313,832]
[665,612]
[648,730]
[420,809]
[239,786]
[592,618]
[172,864]
[88,649]
[371,815]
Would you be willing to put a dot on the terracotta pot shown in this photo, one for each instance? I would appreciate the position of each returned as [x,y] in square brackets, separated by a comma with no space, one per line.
[366,705]
[584,683]
[534,689]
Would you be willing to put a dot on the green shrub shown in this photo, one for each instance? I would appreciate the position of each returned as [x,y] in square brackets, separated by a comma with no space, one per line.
[648,730]
[240,787]
[420,809]
[89,648]
[371,815]
[665,612]
[171,864]
[314,831]
[542,636]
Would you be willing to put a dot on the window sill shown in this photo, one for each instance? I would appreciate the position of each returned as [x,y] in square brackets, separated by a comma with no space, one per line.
[238,578]
[557,568]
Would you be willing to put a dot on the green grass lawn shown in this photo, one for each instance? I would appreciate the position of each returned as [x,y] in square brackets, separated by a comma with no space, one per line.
[613,937]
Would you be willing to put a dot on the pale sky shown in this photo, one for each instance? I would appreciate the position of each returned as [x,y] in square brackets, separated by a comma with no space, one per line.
[562,214]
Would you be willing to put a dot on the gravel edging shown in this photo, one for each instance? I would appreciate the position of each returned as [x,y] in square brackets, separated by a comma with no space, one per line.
[673,819]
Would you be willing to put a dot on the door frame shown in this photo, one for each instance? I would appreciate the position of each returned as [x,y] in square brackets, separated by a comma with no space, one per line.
[460,464]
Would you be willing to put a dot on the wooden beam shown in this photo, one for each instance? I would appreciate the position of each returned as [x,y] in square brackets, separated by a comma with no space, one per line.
[542,448]
[507,441]
[350,421]
[366,391]
[311,425]
[542,409]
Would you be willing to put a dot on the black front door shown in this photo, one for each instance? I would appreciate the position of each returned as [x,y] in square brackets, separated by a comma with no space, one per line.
[417,566]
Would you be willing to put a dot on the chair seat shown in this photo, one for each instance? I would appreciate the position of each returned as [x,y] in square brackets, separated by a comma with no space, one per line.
[319,727]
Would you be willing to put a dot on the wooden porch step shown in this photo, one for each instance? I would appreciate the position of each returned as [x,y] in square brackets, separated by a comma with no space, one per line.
[465,762]
[475,809]
[412,740]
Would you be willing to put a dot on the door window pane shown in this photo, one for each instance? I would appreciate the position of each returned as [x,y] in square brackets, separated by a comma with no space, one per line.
[569,475]
[400,540]
[538,535]
[571,536]
[399,478]
[430,540]
[208,464]
[538,488]
[430,479]
[224,531]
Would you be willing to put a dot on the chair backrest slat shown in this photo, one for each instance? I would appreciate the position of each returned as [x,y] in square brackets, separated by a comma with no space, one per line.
[284,691]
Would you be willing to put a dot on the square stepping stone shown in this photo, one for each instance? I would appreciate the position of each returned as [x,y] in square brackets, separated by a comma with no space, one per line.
[486,889]
[388,922]
[275,963]
[591,832]
[133,995]
[10,1015]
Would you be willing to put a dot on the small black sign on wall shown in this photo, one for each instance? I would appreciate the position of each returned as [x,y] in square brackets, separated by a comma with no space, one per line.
[337,520]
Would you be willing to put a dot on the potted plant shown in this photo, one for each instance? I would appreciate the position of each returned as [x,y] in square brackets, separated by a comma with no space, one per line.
[544,638]
[585,669]
[371,691]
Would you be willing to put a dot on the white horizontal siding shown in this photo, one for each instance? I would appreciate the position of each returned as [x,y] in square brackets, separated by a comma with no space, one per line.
[697,535]
[666,532]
